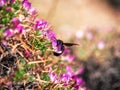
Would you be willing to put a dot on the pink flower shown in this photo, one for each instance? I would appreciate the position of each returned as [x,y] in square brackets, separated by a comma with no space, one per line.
[15,22]
[20,29]
[9,84]
[101,45]
[79,81]
[41,24]
[53,77]
[2,2]
[50,34]
[8,32]
[32,11]
[89,35]
[66,51]
[80,71]
[4,43]
[26,4]
[9,9]
[69,71]
[68,58]
[65,78]
[52,37]
[54,42]
[27,53]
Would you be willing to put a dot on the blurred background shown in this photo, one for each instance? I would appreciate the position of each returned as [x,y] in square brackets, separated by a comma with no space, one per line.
[93,24]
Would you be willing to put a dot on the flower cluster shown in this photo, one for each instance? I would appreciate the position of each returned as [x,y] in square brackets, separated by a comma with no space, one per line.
[68,79]
[19,21]
[26,51]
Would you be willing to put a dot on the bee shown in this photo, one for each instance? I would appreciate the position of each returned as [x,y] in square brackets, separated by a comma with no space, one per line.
[61,47]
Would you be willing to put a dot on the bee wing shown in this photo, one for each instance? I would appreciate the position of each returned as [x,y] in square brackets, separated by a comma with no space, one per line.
[70,44]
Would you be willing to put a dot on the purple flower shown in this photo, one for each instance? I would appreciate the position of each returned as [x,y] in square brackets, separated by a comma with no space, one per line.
[80,71]
[32,11]
[53,77]
[66,51]
[20,29]
[68,78]
[52,37]
[26,4]
[8,32]
[79,81]
[54,42]
[68,58]
[41,24]
[4,43]
[15,22]
[76,88]
[69,71]
[50,34]
[27,53]
[65,78]
[2,2]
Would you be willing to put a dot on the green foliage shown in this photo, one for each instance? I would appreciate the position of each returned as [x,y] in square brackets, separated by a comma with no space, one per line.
[28,66]
[6,16]
[40,45]
[16,6]
[19,75]
[38,33]
[22,71]
[6,19]
[45,77]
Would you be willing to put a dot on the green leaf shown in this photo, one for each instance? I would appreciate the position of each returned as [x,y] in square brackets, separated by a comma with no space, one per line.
[45,77]
[31,78]
[11,14]
[40,45]
[19,75]
[16,6]
[5,20]
[27,66]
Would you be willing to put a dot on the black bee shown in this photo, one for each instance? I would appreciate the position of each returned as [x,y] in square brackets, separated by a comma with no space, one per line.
[61,47]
